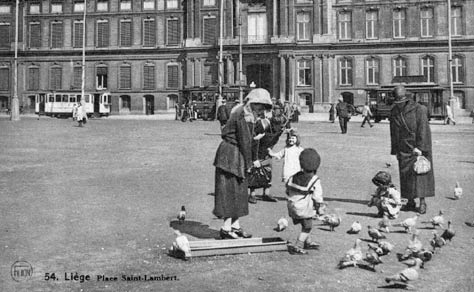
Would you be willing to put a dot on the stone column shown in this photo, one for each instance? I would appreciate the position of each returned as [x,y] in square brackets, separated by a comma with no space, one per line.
[291,79]
[230,70]
[284,18]
[197,19]
[331,77]
[282,77]
[275,23]
[189,72]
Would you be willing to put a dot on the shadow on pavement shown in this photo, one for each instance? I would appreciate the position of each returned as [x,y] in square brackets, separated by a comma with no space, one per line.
[363,202]
[196,229]
[371,215]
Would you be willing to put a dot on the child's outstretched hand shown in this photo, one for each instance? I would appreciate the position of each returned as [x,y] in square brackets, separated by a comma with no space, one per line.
[259,136]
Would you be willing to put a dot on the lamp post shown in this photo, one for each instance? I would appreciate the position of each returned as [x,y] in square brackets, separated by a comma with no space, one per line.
[241,77]
[83,81]
[450,61]
[15,105]
[221,36]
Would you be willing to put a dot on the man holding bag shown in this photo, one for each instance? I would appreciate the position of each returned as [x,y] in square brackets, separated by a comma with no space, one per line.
[410,135]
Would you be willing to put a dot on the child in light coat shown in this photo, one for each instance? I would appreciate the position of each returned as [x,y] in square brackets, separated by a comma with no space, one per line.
[304,192]
[290,153]
[386,198]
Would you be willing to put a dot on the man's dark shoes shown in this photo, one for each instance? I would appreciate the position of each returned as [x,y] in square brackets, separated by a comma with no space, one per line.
[410,206]
[422,209]
[269,198]
[241,233]
[228,234]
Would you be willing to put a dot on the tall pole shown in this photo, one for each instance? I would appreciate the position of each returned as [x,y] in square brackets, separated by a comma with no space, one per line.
[83,83]
[221,67]
[450,60]
[241,77]
[15,106]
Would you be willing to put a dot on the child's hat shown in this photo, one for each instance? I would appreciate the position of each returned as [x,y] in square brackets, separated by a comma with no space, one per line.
[310,159]
[382,178]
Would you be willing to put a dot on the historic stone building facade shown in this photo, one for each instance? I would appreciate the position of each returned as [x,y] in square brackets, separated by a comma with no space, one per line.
[306,51]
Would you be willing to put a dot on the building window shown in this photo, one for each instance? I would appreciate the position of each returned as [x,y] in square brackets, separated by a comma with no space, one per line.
[78,6]
[210,31]
[457,69]
[172,32]
[373,71]
[33,78]
[427,67]
[125,32]
[171,4]
[35,35]
[102,33]
[173,76]
[125,77]
[399,67]
[125,5]
[345,25]
[304,72]
[149,76]
[55,78]
[257,27]
[304,1]
[4,78]
[78,33]
[35,8]
[209,3]
[303,26]
[77,77]
[345,71]
[371,24]
[149,32]
[148,4]
[426,22]
[5,9]
[56,34]
[398,23]
[5,35]
[56,7]
[102,5]
[456,21]
[101,77]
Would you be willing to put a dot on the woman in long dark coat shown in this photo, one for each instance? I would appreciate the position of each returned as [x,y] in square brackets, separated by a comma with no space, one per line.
[233,160]
[411,136]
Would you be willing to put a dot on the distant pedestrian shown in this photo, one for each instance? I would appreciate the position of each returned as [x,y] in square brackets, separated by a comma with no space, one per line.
[74,112]
[449,115]
[81,115]
[295,112]
[223,113]
[366,114]
[344,112]
[331,113]
[472,115]
[304,193]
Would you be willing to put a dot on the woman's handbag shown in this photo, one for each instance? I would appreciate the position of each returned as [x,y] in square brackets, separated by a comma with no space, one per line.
[259,177]
[422,165]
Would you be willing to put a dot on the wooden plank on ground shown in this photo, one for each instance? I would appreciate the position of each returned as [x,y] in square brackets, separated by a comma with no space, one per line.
[237,246]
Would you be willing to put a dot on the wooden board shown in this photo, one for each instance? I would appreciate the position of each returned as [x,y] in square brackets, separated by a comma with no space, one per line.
[237,246]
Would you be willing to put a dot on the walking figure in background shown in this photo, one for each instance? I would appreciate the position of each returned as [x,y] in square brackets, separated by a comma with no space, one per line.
[344,113]
[295,112]
[74,112]
[366,114]
[223,113]
[449,115]
[331,113]
[410,135]
[81,115]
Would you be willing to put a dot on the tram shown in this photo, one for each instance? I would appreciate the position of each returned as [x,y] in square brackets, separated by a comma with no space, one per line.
[61,103]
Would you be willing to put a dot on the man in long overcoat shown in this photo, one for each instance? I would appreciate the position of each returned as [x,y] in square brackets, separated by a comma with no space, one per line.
[411,137]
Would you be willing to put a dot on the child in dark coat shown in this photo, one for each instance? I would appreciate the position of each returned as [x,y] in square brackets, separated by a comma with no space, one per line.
[304,192]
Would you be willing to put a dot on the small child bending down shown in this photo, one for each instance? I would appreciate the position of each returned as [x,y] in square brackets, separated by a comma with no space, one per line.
[386,198]
[304,192]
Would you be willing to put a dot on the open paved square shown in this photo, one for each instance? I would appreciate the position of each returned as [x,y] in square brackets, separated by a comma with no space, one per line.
[102,201]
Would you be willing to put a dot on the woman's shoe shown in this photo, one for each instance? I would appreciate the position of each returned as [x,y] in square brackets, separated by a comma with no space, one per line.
[228,234]
[241,233]
[252,199]
[410,206]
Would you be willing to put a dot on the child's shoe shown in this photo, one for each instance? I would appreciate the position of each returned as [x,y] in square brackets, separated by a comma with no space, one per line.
[293,249]
[311,245]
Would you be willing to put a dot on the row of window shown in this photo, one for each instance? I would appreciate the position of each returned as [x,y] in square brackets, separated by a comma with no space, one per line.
[427,23]
[373,70]
[101,80]
[57,6]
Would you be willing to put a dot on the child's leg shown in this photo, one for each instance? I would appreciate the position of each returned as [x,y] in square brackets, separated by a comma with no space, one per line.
[252,198]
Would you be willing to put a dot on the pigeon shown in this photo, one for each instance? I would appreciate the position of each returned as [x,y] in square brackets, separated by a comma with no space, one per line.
[182,215]
[355,228]
[375,247]
[406,276]
[408,223]
[413,248]
[332,220]
[438,220]
[386,247]
[375,234]
[411,262]
[281,225]
[384,224]
[448,233]
[181,246]
[437,241]
[457,191]
[372,258]
[352,257]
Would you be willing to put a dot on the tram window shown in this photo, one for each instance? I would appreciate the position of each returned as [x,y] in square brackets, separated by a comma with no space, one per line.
[58,97]
[65,98]
[51,98]
[86,98]
[72,98]
[424,97]
[78,98]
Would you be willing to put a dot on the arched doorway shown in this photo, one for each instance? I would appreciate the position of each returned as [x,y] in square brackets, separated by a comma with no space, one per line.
[461,101]
[124,105]
[149,104]
[348,97]
[31,104]
[261,75]
[307,100]
[4,104]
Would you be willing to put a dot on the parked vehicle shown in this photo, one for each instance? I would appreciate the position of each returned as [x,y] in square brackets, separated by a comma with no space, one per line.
[60,103]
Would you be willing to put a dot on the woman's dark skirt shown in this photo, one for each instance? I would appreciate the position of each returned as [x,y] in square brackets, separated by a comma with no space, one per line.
[230,195]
